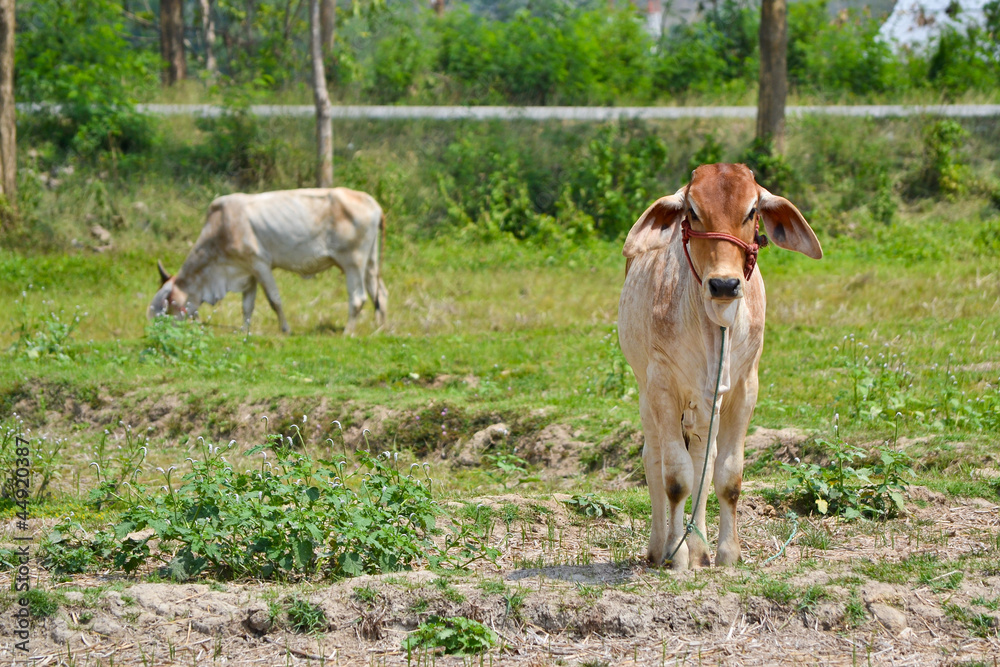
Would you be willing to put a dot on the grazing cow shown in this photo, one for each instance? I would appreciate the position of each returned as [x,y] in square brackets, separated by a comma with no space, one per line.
[689,273]
[305,231]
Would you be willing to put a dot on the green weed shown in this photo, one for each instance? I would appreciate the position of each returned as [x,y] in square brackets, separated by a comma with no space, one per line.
[49,337]
[854,611]
[874,492]
[305,616]
[292,517]
[41,604]
[454,636]
[591,506]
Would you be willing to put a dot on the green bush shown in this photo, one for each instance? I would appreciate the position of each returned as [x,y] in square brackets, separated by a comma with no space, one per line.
[964,61]
[943,170]
[77,55]
[49,338]
[238,145]
[618,175]
[398,61]
[841,56]
[169,340]
[770,169]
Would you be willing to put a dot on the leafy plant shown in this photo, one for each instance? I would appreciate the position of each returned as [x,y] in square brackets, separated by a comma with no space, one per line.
[612,375]
[591,506]
[238,144]
[507,467]
[284,519]
[711,151]
[874,492]
[455,636]
[39,458]
[50,338]
[173,341]
[169,339]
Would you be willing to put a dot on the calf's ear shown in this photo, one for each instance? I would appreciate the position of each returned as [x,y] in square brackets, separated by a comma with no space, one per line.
[786,227]
[164,276]
[651,230]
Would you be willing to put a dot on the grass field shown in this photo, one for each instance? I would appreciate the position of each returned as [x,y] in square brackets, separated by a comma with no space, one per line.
[890,340]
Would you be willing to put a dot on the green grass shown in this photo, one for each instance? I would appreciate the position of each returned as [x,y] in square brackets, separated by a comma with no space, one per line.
[898,318]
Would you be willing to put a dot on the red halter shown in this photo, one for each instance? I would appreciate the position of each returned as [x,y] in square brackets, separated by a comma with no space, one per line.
[750,249]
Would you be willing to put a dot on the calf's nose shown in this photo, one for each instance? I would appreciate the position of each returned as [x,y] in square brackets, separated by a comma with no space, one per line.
[724,287]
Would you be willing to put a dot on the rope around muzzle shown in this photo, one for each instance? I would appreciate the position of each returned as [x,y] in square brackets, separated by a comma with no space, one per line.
[691,527]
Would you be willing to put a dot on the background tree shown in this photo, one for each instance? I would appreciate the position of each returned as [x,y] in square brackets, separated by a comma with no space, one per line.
[172,41]
[324,111]
[208,37]
[328,23]
[8,127]
[773,87]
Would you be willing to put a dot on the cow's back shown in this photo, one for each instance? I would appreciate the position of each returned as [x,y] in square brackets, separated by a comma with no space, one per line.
[307,230]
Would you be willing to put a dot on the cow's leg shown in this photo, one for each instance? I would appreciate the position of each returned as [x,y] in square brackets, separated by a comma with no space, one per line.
[699,448]
[249,297]
[735,419]
[355,297]
[266,280]
[376,289]
[668,475]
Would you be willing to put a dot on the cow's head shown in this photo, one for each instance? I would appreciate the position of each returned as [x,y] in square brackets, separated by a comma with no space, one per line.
[722,199]
[169,299]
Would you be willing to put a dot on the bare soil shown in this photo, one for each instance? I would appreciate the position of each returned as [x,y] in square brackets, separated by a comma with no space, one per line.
[577,606]
[574,591]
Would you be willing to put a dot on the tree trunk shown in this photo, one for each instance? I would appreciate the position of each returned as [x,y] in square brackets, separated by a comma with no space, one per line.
[8,125]
[324,111]
[328,24]
[172,41]
[208,35]
[438,7]
[773,73]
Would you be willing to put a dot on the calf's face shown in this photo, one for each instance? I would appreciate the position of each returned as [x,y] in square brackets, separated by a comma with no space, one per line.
[722,199]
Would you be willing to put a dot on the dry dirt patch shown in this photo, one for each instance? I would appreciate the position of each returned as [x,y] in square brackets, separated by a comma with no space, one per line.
[556,597]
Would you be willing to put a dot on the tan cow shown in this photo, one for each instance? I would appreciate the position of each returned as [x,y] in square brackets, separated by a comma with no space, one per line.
[305,231]
[690,272]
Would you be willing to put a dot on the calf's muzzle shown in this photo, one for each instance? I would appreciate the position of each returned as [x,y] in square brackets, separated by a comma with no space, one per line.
[724,288]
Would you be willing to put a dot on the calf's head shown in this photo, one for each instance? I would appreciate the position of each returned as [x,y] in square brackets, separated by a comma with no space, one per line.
[723,207]
[169,299]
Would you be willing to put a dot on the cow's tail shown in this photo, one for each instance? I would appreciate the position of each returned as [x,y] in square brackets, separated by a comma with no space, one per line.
[378,267]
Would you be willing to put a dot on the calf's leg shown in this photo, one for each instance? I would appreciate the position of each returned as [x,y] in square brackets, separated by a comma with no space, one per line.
[699,447]
[668,475]
[729,465]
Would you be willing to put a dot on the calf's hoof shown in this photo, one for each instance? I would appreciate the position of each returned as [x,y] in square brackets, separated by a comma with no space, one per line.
[728,554]
[679,561]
